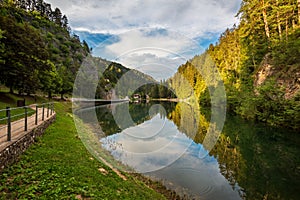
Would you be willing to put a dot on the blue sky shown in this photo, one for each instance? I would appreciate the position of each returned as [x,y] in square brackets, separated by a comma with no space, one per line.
[152,36]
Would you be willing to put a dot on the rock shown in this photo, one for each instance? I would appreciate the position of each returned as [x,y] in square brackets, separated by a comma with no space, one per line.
[287,76]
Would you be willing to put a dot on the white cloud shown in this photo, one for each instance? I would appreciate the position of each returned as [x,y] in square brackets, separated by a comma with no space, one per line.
[151,33]
[157,52]
[158,42]
[192,18]
[157,67]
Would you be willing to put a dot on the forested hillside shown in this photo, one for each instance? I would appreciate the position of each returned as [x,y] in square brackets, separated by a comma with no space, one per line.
[38,52]
[118,81]
[259,61]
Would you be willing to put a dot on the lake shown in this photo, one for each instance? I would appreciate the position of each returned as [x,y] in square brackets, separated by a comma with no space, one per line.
[165,141]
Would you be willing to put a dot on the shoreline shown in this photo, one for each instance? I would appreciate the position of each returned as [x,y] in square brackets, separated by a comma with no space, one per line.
[90,140]
[59,165]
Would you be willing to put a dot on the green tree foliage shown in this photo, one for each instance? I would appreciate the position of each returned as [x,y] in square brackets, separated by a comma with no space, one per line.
[39,7]
[1,47]
[38,51]
[57,16]
[25,54]
[154,92]
[268,30]
[115,80]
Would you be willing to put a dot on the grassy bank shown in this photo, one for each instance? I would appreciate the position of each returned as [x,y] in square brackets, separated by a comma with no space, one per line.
[58,166]
[10,100]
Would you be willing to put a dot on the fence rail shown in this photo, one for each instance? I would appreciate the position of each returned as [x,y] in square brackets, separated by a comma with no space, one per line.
[18,118]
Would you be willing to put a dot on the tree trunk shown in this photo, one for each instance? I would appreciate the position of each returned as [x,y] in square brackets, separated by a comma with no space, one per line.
[11,90]
[264,12]
[298,12]
[293,20]
[286,28]
[278,21]
[279,26]
[49,95]
[62,96]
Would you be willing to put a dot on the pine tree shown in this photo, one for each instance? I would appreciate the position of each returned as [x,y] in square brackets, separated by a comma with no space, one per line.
[65,22]
[57,16]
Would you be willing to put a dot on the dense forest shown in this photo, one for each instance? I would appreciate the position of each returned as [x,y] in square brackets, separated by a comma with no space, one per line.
[258,61]
[37,50]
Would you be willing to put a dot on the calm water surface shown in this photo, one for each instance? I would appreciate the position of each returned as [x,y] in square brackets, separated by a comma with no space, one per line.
[164,141]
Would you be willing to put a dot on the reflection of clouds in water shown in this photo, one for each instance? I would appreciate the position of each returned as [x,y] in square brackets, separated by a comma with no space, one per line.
[171,156]
[152,153]
[147,130]
[201,176]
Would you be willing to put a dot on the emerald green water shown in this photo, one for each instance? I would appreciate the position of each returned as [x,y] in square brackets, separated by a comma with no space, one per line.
[164,141]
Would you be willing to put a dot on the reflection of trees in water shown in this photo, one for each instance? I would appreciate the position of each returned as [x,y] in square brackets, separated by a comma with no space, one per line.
[106,120]
[190,121]
[230,160]
[264,161]
[139,113]
[193,123]
[261,161]
[96,116]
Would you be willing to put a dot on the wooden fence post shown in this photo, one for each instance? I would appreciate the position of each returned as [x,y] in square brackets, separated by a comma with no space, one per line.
[43,112]
[48,110]
[52,108]
[8,124]
[25,118]
[36,114]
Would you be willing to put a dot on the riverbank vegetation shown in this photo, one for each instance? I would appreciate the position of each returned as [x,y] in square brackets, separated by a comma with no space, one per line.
[258,61]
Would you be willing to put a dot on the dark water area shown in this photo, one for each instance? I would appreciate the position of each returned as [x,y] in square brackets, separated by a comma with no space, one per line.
[165,141]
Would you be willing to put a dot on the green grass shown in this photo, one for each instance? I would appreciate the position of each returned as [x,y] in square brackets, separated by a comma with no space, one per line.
[10,100]
[58,166]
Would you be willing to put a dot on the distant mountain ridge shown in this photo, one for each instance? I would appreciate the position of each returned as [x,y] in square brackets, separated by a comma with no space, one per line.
[120,79]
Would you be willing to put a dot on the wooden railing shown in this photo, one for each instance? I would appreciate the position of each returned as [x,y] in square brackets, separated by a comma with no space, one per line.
[19,118]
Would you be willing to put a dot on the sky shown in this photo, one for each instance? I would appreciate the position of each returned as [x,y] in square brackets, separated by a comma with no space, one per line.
[153,36]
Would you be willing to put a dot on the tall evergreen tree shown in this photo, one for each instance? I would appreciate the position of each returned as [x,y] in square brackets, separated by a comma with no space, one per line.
[57,16]
[65,22]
